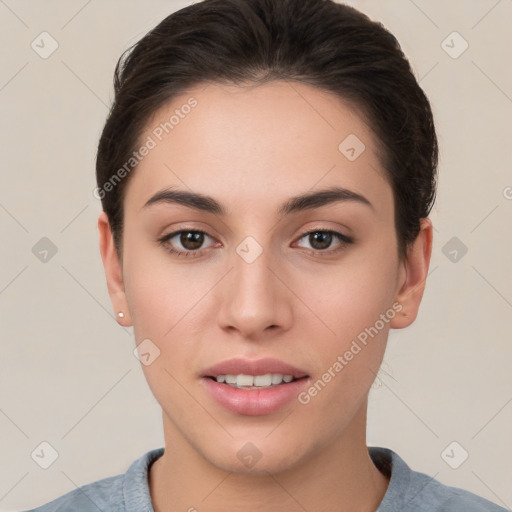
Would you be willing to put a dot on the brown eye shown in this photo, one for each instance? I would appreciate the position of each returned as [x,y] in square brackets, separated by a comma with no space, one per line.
[191,240]
[186,242]
[321,239]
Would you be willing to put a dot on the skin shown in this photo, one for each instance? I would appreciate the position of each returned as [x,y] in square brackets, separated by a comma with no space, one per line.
[252,148]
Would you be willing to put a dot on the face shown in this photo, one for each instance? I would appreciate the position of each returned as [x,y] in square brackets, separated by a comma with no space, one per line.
[252,274]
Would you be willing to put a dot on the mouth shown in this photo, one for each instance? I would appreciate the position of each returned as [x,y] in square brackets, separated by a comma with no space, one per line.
[267,372]
[254,387]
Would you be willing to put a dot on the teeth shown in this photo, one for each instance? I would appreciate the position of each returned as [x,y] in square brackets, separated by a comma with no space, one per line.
[244,380]
[263,380]
[256,381]
[276,378]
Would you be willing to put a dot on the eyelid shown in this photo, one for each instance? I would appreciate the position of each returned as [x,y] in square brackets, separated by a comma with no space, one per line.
[165,238]
[344,241]
[324,229]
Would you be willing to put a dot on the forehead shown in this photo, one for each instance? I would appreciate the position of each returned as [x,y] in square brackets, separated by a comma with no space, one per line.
[248,145]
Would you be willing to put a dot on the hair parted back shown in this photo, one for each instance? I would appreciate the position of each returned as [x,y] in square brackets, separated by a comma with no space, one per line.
[319,42]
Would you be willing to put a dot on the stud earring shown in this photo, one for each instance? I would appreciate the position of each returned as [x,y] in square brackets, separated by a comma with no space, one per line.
[120,314]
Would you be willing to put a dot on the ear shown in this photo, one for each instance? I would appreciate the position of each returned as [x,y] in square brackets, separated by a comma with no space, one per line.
[113,271]
[413,274]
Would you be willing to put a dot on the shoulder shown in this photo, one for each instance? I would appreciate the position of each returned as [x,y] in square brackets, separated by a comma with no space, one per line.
[118,493]
[465,501]
[433,495]
[86,498]
[413,490]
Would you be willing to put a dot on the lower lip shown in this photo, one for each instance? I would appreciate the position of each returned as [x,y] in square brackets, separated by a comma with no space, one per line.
[254,402]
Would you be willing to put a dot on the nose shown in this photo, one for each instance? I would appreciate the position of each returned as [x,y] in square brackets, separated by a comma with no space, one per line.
[254,300]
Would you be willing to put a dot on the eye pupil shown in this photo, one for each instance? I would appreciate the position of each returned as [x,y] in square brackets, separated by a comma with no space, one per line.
[325,239]
[192,240]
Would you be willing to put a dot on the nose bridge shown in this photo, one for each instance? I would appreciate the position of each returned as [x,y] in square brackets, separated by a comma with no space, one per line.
[253,300]
[251,270]
[253,279]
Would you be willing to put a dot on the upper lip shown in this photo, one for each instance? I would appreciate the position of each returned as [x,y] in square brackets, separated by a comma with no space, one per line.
[239,366]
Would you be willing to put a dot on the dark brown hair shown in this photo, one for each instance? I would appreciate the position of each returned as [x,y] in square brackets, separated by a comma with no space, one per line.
[319,42]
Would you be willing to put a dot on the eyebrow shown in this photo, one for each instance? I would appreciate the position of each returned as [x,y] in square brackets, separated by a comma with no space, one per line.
[295,204]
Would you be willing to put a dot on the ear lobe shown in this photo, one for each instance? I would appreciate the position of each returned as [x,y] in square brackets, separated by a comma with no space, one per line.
[113,271]
[413,275]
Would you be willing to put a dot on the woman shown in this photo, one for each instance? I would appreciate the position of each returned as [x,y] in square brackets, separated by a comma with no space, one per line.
[266,175]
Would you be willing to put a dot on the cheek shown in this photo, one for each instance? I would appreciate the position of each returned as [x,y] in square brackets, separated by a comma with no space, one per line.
[169,305]
[165,301]
[348,297]
[160,292]
[354,307]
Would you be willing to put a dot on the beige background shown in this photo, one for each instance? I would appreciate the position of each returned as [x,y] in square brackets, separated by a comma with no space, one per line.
[68,375]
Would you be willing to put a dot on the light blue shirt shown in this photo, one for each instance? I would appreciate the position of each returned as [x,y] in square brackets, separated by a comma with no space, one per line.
[408,490]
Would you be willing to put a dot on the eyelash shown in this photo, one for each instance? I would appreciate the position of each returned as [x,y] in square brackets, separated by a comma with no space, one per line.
[345,240]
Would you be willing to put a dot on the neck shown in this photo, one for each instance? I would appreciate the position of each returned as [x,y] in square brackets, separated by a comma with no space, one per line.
[339,478]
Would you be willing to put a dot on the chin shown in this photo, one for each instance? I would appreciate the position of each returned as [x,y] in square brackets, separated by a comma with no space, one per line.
[257,457]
